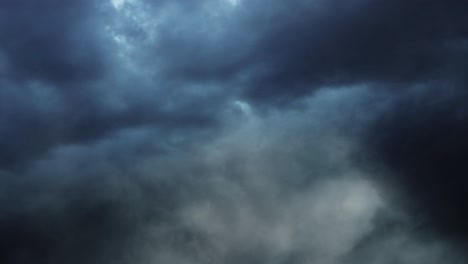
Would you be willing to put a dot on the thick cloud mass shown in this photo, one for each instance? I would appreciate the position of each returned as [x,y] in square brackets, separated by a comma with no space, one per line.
[423,139]
[233,131]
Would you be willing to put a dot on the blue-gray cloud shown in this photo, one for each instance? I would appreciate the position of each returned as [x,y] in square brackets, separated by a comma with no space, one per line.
[218,131]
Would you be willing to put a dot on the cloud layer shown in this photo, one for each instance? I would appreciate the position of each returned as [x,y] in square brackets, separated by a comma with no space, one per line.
[218,131]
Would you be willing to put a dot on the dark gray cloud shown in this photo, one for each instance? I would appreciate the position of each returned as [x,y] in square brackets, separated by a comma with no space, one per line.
[52,41]
[421,137]
[223,131]
[283,50]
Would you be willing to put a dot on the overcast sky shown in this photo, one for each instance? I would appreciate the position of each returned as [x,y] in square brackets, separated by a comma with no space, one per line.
[233,131]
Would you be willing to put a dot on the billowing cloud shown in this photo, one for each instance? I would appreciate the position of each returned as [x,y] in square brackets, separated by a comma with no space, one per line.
[221,131]
[422,140]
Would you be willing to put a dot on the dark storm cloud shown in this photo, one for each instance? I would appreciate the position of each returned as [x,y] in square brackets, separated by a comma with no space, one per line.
[276,51]
[37,118]
[289,49]
[125,137]
[241,197]
[47,47]
[89,203]
[377,41]
[61,82]
[422,138]
[50,40]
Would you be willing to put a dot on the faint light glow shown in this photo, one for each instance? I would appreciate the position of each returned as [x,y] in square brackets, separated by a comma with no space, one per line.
[120,39]
[360,198]
[244,107]
[234,2]
[119,3]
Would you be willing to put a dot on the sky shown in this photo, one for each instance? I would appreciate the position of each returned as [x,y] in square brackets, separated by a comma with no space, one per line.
[233,131]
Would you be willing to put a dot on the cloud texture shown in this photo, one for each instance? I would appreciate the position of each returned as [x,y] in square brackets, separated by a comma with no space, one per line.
[233,131]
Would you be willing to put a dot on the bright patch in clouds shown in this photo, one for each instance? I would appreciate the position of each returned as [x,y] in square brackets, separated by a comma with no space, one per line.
[119,3]
[244,107]
[234,2]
